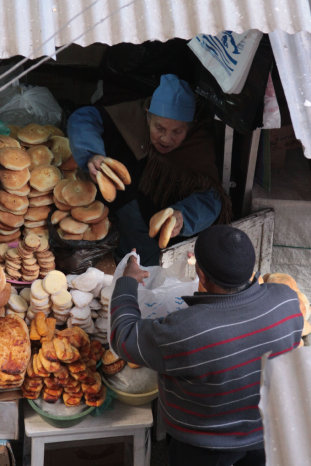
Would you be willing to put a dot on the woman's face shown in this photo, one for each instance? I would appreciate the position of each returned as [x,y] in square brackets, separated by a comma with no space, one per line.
[166,134]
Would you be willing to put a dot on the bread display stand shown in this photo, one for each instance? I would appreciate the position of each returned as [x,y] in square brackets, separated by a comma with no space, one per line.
[123,420]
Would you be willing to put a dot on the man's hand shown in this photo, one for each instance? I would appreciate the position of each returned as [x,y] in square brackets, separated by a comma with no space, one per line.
[133,270]
[179,223]
[94,165]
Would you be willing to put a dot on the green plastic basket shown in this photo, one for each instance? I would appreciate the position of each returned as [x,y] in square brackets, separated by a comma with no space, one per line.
[61,421]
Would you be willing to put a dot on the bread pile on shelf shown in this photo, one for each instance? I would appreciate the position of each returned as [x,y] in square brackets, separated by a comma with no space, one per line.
[78,215]
[286,279]
[63,366]
[29,260]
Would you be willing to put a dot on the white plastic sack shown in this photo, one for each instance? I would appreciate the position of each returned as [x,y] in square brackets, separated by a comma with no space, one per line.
[227,56]
[162,291]
[30,104]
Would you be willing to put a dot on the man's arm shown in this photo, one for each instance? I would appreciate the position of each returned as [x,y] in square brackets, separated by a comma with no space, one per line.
[85,130]
[199,211]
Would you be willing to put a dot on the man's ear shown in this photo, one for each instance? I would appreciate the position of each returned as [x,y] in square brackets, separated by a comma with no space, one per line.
[204,281]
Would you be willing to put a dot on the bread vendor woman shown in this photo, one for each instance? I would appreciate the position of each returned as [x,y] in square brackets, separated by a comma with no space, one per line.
[169,154]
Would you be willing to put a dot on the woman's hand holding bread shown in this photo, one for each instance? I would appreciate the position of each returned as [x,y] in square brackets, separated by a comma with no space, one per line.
[94,165]
[168,223]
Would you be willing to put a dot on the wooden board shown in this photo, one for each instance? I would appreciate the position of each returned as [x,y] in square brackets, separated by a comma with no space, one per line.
[259,226]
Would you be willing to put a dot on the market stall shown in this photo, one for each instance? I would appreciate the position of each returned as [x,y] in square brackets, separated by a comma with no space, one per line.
[56,232]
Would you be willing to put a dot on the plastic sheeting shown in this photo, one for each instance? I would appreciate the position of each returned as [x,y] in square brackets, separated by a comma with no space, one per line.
[286,408]
[34,28]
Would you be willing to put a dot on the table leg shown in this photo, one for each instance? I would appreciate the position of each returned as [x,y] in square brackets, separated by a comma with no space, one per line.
[37,452]
[141,447]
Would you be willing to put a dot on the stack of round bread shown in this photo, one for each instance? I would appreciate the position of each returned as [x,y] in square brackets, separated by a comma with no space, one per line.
[14,178]
[5,292]
[30,259]
[78,215]
[16,305]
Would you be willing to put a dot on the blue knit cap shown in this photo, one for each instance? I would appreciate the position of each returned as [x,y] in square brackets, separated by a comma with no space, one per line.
[173,98]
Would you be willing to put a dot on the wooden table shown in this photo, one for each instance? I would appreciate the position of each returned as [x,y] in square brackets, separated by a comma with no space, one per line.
[122,420]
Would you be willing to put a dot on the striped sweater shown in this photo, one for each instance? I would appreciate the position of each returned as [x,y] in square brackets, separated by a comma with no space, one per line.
[208,357]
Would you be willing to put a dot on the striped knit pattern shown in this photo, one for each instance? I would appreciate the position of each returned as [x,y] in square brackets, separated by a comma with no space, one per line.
[209,357]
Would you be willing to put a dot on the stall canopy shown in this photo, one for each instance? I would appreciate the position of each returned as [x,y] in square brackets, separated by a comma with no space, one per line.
[37,28]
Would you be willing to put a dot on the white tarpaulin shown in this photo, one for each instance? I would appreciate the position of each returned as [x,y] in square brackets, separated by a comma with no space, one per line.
[285,406]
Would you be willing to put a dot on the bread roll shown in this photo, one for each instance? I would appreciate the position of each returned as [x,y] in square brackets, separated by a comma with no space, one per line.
[45,177]
[120,169]
[57,191]
[68,236]
[158,219]
[33,134]
[106,187]
[97,231]
[69,225]
[11,220]
[114,178]
[13,202]
[57,216]
[79,193]
[8,141]
[14,179]
[89,213]
[40,201]
[166,231]
[39,155]
[14,158]
[282,278]
[54,282]
[35,214]
[23,191]
[54,130]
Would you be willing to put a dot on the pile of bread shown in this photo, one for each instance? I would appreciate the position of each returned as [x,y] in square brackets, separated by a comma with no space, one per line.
[112,364]
[14,351]
[29,260]
[63,365]
[304,304]
[79,216]
[31,165]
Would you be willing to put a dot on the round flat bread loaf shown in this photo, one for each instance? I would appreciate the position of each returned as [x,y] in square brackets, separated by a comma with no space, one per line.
[57,191]
[166,231]
[61,206]
[9,231]
[79,193]
[158,219]
[58,215]
[13,202]
[106,187]
[54,281]
[35,193]
[8,141]
[54,130]
[14,179]
[97,231]
[89,213]
[35,214]
[39,223]
[14,158]
[44,178]
[120,169]
[11,220]
[69,225]
[114,178]
[23,191]
[25,293]
[44,200]
[68,236]
[18,303]
[60,147]
[33,134]
[62,299]
[39,155]
[15,349]
[5,294]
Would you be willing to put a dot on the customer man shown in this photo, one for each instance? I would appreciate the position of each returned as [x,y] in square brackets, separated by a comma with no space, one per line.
[208,355]
[168,149]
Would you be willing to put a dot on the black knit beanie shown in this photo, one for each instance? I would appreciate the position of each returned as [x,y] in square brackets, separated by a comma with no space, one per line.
[225,255]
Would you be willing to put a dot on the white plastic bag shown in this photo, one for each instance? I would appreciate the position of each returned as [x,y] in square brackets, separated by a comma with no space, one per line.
[31,104]
[162,291]
[227,56]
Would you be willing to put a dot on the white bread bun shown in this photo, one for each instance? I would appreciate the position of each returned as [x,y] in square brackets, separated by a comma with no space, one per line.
[106,187]
[44,177]
[79,193]
[69,225]
[90,213]
[40,155]
[14,158]
[120,169]
[97,231]
[33,134]
[114,178]
[14,179]
[166,231]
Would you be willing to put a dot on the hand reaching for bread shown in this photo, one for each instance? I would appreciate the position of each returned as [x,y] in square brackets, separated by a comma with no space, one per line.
[168,223]
[110,175]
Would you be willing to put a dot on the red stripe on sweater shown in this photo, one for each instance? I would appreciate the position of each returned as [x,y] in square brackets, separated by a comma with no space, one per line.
[284,351]
[200,432]
[229,392]
[206,416]
[112,335]
[127,354]
[229,340]
[113,309]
